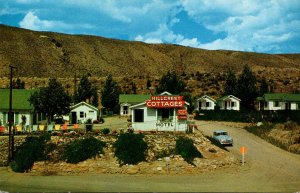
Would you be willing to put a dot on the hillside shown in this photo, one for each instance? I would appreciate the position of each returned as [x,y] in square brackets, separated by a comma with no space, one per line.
[47,54]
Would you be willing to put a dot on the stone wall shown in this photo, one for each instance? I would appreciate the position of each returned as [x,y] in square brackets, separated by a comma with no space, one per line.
[160,157]
[4,147]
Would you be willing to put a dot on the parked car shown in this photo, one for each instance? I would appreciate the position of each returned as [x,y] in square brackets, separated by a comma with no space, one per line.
[222,137]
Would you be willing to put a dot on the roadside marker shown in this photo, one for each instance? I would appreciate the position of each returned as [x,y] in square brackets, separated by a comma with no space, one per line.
[243,151]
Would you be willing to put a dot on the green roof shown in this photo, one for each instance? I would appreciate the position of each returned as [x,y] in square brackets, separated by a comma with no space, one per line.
[19,99]
[280,97]
[133,98]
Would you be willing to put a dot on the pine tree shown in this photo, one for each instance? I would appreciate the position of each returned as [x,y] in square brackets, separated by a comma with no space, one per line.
[172,83]
[85,90]
[51,100]
[95,101]
[264,87]
[230,83]
[246,87]
[110,94]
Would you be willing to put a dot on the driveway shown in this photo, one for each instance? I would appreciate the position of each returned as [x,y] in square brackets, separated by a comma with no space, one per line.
[267,168]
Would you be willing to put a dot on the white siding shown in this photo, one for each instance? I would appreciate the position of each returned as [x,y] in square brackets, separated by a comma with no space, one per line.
[227,104]
[88,113]
[152,123]
[17,118]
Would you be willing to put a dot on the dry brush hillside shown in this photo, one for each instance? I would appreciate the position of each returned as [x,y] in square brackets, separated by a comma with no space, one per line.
[40,55]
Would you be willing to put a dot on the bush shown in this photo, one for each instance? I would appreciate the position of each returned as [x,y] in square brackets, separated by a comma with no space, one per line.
[185,147]
[130,148]
[105,131]
[83,149]
[32,150]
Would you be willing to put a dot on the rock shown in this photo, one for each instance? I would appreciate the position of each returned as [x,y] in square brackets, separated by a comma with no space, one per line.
[132,170]
[159,168]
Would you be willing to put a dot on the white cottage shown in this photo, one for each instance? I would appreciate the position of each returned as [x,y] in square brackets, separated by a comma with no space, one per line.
[279,101]
[83,111]
[20,106]
[205,103]
[229,102]
[164,112]
[128,100]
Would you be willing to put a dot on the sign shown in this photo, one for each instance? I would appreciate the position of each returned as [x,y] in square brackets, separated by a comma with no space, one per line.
[166,98]
[182,112]
[243,150]
[164,124]
[164,104]
[182,117]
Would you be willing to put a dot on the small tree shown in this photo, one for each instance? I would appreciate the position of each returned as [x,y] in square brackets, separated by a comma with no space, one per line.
[230,83]
[264,87]
[51,100]
[110,93]
[130,148]
[85,90]
[95,100]
[172,83]
[246,87]
[148,84]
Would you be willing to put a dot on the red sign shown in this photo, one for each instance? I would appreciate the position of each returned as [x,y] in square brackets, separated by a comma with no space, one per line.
[243,150]
[166,98]
[182,112]
[164,104]
[182,117]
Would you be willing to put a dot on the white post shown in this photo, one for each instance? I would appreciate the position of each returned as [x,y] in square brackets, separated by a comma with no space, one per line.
[243,156]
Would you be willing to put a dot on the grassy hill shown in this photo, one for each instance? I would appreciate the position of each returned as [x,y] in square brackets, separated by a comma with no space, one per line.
[47,54]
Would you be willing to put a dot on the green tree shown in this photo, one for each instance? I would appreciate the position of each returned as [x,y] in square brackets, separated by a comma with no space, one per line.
[246,87]
[172,83]
[85,90]
[110,93]
[95,101]
[51,100]
[230,83]
[264,87]
[148,84]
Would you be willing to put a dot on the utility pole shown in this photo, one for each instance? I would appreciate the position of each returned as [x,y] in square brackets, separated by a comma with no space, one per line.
[11,133]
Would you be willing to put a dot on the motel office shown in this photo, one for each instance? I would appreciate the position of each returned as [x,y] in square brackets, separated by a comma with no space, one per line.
[163,112]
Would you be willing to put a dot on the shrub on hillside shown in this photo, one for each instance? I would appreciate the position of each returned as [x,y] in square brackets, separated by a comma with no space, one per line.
[33,149]
[82,149]
[185,147]
[130,148]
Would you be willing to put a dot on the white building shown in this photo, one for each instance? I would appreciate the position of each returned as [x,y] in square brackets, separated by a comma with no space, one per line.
[128,100]
[279,101]
[83,111]
[229,102]
[164,112]
[205,103]
[20,107]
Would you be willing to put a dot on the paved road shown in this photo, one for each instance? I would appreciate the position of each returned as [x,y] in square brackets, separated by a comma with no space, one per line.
[267,168]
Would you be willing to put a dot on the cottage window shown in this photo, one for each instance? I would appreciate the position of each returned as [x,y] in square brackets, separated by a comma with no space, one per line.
[165,114]
[276,104]
[81,114]
[139,115]
[233,104]
[207,104]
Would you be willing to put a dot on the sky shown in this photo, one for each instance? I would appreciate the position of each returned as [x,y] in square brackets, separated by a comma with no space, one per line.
[267,26]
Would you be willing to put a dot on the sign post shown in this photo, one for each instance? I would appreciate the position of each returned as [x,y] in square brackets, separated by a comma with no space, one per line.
[243,151]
